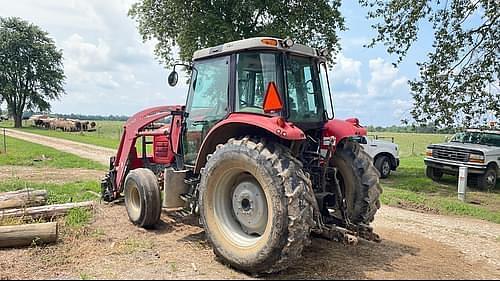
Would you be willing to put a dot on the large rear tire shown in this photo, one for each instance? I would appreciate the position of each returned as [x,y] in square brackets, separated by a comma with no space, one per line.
[359,182]
[142,198]
[255,205]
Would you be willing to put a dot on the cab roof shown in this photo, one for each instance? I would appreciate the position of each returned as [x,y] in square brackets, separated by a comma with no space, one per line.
[269,43]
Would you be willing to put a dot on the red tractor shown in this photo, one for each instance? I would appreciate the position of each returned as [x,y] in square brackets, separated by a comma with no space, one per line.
[255,153]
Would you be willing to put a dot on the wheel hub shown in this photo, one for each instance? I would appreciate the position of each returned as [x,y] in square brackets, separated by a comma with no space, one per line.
[249,207]
[386,168]
[491,179]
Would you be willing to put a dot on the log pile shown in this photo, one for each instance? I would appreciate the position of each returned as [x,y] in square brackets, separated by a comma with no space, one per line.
[28,205]
[23,198]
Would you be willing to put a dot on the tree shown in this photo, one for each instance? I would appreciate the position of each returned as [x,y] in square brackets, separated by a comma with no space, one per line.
[31,68]
[458,84]
[196,24]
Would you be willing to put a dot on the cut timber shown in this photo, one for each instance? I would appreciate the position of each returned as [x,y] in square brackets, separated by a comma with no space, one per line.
[23,198]
[27,234]
[44,212]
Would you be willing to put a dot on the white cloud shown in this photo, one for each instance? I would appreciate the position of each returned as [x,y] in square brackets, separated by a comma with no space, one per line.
[87,56]
[347,71]
[385,79]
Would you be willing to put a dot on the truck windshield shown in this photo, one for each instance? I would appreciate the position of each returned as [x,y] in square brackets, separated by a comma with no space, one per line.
[483,138]
[305,99]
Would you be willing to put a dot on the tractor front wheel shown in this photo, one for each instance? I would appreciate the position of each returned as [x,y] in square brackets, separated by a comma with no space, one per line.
[142,198]
[255,206]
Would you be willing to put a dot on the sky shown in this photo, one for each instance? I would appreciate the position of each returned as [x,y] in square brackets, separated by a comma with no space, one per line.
[111,71]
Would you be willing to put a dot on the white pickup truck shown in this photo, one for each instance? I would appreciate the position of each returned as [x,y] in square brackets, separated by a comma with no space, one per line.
[479,150]
[385,154]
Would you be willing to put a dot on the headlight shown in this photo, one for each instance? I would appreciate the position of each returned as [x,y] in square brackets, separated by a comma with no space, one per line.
[476,158]
[428,152]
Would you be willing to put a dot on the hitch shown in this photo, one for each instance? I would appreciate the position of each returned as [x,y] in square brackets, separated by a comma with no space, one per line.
[348,236]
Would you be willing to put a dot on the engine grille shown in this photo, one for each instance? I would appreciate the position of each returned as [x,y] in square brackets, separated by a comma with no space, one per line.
[449,154]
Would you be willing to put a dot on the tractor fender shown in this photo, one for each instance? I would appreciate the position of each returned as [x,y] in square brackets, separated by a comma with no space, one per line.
[342,129]
[241,124]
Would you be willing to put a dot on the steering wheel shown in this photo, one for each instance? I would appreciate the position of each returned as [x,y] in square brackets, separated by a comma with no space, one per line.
[312,86]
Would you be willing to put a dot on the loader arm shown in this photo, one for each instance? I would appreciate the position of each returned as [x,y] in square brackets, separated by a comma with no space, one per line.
[132,129]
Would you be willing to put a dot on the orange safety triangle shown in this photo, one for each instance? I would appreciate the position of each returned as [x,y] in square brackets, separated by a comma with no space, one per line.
[272,100]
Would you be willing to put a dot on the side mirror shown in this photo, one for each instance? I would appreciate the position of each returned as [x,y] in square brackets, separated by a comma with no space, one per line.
[173,78]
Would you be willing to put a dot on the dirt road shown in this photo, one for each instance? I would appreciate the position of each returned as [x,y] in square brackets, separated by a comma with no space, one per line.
[414,246]
[88,151]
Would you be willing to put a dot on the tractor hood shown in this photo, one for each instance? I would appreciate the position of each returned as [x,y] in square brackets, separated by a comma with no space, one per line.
[342,129]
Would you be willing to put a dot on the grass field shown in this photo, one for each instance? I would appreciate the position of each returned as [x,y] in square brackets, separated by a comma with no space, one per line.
[23,153]
[408,187]
[108,133]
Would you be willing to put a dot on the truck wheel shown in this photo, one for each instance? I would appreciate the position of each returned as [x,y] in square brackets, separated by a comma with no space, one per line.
[383,165]
[142,198]
[433,173]
[359,182]
[488,180]
[255,205]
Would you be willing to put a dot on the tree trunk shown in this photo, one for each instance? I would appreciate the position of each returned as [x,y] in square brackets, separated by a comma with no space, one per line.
[18,120]
[23,198]
[44,212]
[28,234]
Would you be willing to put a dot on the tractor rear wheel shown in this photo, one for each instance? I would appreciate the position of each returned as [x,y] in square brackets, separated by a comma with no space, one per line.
[359,182]
[255,205]
[142,198]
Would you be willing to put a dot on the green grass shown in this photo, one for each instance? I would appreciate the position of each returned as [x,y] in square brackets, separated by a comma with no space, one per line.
[411,144]
[108,133]
[78,217]
[23,153]
[57,193]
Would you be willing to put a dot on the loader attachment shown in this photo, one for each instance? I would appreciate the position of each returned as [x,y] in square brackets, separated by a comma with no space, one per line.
[139,125]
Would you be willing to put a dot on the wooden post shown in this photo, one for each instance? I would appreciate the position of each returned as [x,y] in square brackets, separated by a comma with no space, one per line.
[23,198]
[4,142]
[27,234]
[44,212]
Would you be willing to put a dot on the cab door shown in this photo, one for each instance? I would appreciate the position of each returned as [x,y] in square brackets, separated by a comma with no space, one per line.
[208,102]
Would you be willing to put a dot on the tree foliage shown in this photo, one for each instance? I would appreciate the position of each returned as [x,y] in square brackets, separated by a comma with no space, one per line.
[31,68]
[196,24]
[458,84]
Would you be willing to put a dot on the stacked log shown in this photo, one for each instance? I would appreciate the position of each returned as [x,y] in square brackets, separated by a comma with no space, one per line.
[28,234]
[23,198]
[27,205]
[44,212]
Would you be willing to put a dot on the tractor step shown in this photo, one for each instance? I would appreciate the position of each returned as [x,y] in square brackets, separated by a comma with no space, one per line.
[183,213]
[192,181]
[188,198]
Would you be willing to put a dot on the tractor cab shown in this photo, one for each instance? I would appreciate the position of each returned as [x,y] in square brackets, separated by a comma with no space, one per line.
[254,153]
[260,76]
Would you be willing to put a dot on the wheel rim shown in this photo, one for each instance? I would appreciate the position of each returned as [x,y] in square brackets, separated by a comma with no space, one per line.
[133,199]
[240,208]
[386,168]
[491,179]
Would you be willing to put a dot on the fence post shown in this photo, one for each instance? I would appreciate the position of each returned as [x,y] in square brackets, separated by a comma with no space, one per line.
[4,142]
[462,183]
[412,149]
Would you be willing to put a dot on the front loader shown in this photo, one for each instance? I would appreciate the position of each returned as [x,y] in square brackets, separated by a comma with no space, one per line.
[254,152]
